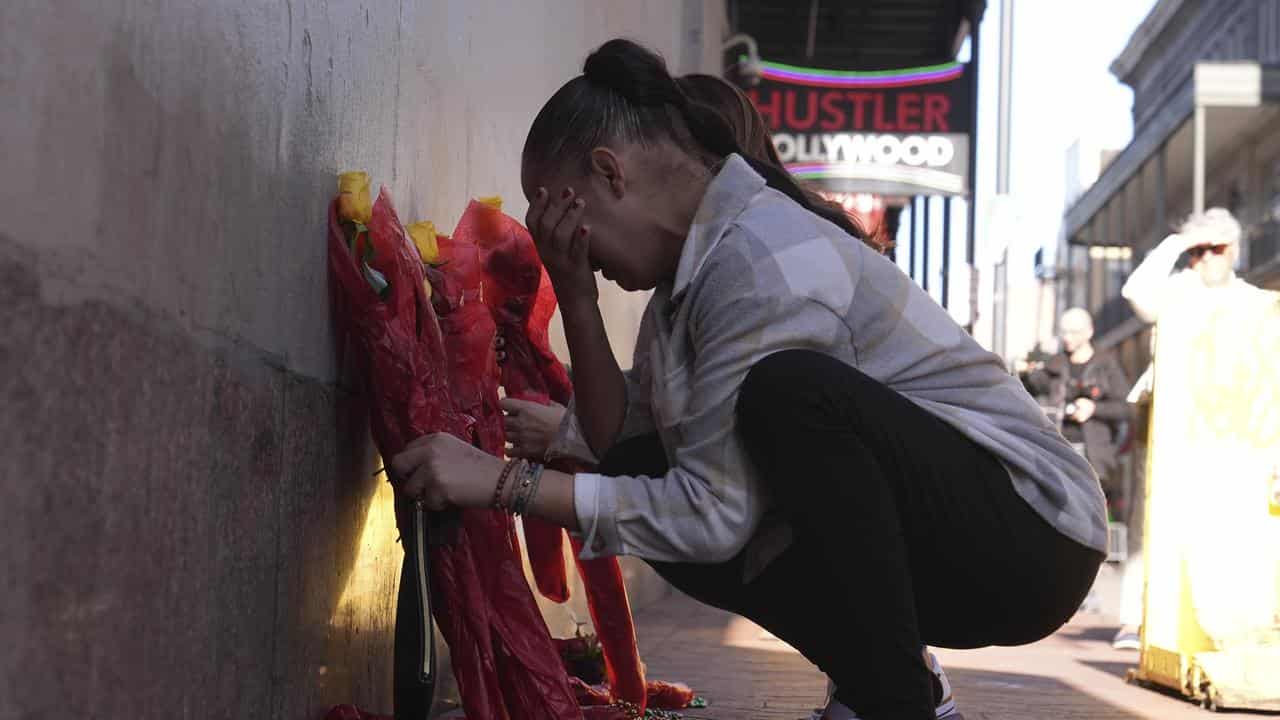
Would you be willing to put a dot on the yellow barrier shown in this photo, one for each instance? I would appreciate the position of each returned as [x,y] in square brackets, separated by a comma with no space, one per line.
[1211,615]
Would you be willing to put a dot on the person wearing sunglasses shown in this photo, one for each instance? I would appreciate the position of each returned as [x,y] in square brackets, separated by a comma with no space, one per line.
[1210,242]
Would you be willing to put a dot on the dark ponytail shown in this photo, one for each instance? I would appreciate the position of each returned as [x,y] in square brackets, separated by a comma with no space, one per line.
[626,95]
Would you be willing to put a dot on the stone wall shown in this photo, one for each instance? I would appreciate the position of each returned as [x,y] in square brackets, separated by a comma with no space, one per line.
[190,527]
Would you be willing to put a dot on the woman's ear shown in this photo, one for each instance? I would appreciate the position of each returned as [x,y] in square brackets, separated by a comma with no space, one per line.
[607,166]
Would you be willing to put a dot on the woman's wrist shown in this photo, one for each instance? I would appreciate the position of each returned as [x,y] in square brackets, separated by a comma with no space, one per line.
[553,502]
[528,488]
[517,486]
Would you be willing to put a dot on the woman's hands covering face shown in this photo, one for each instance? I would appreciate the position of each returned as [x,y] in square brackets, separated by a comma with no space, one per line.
[556,225]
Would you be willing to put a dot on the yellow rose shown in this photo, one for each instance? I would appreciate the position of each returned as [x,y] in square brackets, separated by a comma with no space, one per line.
[424,236]
[493,201]
[354,202]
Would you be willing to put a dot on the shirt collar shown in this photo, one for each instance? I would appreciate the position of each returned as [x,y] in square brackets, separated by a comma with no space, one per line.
[726,197]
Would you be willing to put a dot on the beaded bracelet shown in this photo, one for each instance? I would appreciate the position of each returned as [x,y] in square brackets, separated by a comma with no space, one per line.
[502,481]
[513,490]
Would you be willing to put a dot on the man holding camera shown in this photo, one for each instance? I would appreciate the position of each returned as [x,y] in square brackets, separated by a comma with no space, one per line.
[1085,390]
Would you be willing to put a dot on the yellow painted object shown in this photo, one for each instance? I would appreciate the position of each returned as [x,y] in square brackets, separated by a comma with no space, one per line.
[1211,608]
[355,201]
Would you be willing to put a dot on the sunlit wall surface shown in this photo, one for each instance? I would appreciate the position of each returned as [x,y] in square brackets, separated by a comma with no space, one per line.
[191,528]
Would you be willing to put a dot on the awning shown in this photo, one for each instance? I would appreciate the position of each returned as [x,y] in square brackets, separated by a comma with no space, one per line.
[858,34]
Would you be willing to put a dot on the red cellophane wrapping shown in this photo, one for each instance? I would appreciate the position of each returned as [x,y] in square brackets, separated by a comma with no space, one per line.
[514,276]
[503,658]
[351,712]
[589,695]
[668,696]
[521,299]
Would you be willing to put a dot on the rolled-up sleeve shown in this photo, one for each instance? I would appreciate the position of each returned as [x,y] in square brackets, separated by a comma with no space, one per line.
[569,442]
[708,505]
[639,418]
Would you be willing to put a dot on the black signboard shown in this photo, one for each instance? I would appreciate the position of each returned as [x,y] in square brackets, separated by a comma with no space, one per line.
[897,132]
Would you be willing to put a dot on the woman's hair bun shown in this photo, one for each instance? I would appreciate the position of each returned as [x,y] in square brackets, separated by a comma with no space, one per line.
[632,71]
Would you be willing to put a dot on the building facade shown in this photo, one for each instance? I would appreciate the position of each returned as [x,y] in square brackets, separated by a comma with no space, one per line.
[1206,83]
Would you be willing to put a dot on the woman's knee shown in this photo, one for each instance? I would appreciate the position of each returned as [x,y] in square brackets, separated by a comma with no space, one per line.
[718,585]
[643,455]
[780,397]
[793,385]
[776,381]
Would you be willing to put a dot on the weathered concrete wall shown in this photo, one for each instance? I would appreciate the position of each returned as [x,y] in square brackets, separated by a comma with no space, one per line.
[190,528]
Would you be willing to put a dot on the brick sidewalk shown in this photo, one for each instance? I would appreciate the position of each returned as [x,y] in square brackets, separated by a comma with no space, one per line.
[746,674]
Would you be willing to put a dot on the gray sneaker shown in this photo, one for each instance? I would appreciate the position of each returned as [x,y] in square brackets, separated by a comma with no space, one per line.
[946,709]
[946,703]
[1127,639]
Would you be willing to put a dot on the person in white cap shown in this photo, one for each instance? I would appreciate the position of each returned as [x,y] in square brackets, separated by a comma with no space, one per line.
[1211,243]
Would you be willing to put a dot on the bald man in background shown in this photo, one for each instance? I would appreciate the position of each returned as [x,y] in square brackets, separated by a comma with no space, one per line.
[1088,388]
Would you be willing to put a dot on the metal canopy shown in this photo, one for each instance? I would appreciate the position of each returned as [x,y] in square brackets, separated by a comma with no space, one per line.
[858,34]
[1232,98]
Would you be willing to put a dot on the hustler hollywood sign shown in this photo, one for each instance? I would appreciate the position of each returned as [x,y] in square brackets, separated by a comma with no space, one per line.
[894,131]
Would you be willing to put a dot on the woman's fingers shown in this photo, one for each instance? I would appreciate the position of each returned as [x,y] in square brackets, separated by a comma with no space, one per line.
[411,470]
[551,217]
[521,450]
[513,406]
[566,230]
[555,223]
[413,483]
[558,224]
[424,486]
[537,207]
[404,464]
[434,501]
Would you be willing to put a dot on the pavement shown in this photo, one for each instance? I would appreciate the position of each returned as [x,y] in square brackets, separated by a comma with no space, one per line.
[747,674]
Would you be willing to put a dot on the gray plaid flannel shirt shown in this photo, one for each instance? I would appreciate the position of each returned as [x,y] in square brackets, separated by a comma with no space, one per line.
[759,274]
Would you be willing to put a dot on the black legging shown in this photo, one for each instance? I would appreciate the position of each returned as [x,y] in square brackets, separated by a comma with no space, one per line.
[906,533]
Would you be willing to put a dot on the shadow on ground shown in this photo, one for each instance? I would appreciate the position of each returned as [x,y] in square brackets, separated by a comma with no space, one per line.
[987,695]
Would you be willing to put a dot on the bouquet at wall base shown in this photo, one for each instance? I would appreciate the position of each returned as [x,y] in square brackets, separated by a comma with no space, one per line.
[520,299]
[419,312]
[503,659]
[605,668]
